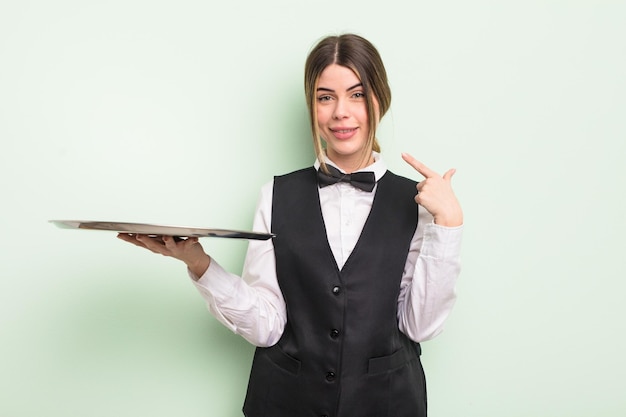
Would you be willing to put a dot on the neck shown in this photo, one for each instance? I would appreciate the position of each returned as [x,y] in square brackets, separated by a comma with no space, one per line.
[352,163]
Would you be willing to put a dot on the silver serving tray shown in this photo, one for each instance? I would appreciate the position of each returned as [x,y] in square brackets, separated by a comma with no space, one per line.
[159,229]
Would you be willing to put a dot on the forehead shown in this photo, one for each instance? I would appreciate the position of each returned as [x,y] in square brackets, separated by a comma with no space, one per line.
[337,76]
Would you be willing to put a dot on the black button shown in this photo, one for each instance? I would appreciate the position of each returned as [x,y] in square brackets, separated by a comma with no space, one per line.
[330,376]
[334,333]
[336,289]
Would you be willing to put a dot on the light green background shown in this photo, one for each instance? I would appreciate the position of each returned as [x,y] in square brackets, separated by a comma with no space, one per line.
[178,111]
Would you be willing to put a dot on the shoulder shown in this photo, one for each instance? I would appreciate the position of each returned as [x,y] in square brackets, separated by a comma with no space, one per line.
[398,180]
[281,178]
[295,174]
[397,188]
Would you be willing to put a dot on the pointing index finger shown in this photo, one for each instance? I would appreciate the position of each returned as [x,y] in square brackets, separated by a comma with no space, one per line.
[419,167]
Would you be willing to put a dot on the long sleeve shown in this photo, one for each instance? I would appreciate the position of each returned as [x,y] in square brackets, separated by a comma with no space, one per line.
[252,305]
[427,292]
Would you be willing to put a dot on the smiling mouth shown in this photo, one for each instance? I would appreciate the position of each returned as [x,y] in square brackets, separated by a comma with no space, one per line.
[343,130]
[344,133]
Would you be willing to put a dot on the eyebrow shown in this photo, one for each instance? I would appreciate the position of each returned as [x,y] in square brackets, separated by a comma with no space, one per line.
[332,91]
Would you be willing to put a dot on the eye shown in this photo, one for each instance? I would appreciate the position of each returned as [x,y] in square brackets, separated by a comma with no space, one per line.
[358,94]
[324,98]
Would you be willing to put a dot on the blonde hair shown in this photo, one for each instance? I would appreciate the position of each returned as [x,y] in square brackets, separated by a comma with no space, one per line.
[358,54]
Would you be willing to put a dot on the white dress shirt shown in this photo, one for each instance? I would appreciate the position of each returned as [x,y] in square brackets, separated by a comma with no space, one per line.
[253,306]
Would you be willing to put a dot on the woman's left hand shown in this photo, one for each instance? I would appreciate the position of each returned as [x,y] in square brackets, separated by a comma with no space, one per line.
[435,194]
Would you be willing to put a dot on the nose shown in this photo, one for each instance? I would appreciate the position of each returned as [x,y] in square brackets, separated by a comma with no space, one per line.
[341,110]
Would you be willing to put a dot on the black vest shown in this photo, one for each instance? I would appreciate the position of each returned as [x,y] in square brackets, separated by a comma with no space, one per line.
[341,354]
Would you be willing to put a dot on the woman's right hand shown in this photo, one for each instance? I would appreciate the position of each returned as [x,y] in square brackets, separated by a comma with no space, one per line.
[188,250]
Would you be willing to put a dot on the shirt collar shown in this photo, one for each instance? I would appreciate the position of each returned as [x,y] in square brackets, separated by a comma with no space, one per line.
[378,167]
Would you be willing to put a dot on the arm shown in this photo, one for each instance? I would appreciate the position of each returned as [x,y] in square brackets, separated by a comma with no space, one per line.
[252,305]
[427,291]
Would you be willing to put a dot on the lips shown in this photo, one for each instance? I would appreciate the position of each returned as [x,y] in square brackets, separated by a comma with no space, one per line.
[343,132]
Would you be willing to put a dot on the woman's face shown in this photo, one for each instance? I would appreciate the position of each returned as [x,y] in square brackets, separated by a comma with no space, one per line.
[342,117]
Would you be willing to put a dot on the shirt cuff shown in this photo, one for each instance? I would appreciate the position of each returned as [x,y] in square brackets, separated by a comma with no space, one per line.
[215,282]
[442,242]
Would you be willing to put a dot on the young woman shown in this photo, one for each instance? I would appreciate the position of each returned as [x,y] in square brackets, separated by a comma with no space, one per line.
[358,273]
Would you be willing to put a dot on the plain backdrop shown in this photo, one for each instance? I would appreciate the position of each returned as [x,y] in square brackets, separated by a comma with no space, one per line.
[177,112]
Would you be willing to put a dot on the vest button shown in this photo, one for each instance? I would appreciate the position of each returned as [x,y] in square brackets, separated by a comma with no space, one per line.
[334,333]
[330,376]
[336,289]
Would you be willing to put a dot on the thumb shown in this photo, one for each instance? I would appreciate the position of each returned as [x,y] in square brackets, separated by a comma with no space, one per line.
[448,175]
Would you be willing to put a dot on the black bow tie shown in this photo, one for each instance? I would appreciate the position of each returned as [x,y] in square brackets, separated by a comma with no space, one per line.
[362,180]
